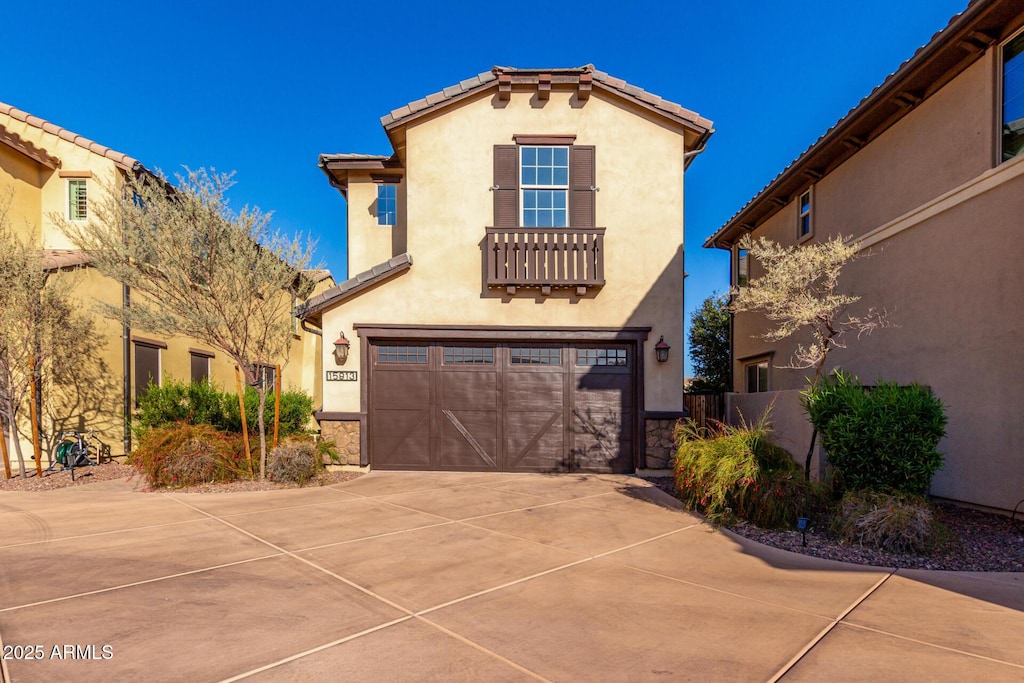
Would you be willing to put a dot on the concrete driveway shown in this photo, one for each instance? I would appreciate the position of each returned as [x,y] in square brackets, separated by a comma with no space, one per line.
[463,577]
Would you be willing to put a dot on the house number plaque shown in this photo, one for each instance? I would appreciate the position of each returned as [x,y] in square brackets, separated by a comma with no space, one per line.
[342,375]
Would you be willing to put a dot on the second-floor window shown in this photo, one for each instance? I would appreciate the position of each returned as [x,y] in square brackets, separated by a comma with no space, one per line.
[77,200]
[544,183]
[387,204]
[804,226]
[1013,97]
[742,267]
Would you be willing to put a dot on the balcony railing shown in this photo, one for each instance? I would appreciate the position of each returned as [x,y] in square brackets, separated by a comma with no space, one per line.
[545,257]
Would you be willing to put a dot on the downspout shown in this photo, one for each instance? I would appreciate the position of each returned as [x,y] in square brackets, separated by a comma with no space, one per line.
[126,367]
[702,144]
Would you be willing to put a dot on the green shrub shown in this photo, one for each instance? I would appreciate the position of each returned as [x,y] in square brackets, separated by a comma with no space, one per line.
[182,454]
[730,472]
[884,438]
[295,461]
[202,403]
[897,522]
[296,412]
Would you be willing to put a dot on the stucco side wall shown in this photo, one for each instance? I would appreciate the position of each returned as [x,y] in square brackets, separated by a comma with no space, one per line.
[20,183]
[449,170]
[369,244]
[949,284]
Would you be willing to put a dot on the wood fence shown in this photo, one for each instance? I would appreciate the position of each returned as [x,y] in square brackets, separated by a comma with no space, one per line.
[704,407]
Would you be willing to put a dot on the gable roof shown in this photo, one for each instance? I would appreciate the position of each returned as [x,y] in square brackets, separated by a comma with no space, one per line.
[949,52]
[586,75]
[311,309]
[122,161]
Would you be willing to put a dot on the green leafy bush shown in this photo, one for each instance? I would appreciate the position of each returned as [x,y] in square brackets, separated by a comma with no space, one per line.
[884,438]
[202,403]
[296,412]
[896,522]
[182,454]
[295,461]
[729,472]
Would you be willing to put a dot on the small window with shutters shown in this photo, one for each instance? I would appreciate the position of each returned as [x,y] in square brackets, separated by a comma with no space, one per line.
[544,182]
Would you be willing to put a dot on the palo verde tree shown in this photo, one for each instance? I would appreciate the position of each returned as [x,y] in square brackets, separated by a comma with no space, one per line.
[43,337]
[709,345]
[799,291]
[203,270]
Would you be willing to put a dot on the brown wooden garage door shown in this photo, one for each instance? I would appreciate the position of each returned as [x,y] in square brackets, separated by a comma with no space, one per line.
[502,407]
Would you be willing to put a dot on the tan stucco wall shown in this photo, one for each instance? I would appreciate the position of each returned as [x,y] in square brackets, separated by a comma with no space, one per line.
[449,168]
[368,243]
[944,264]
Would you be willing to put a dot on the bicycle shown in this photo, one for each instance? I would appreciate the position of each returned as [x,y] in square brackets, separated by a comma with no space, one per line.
[74,450]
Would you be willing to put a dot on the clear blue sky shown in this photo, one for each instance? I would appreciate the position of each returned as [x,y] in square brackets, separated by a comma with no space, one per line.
[263,88]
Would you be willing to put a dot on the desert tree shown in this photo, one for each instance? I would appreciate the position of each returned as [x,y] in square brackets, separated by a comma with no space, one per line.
[709,345]
[799,292]
[199,269]
[43,335]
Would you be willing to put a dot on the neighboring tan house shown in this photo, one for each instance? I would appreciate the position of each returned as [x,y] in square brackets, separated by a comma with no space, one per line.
[927,173]
[519,258]
[50,170]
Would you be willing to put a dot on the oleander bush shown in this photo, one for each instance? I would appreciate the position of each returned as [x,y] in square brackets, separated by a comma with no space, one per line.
[896,522]
[882,438]
[736,472]
[182,454]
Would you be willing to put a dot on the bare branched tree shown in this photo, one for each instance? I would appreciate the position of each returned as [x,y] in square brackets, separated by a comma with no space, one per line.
[202,270]
[799,290]
[41,331]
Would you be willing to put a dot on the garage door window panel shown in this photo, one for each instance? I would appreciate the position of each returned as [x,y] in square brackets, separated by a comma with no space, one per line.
[391,355]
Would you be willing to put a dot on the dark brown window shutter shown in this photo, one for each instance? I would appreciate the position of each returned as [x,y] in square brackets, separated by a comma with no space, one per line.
[506,186]
[582,181]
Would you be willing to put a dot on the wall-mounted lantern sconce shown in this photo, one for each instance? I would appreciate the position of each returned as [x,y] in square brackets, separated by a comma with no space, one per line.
[341,345]
[661,350]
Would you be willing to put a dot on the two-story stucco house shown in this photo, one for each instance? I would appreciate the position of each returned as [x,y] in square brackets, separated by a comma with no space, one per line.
[927,173]
[48,171]
[520,269]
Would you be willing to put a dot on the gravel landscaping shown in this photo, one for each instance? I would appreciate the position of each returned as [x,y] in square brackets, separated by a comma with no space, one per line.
[978,541]
[112,471]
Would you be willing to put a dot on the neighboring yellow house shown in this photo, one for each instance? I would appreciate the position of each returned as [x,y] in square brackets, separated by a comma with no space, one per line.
[48,169]
[927,172]
[520,269]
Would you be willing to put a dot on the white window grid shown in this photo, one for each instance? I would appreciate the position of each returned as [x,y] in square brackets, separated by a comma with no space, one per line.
[544,186]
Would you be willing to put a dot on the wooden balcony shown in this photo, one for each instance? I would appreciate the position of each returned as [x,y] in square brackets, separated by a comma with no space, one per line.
[545,257]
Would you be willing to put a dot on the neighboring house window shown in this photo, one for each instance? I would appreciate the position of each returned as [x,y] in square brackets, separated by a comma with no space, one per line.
[200,365]
[77,200]
[756,373]
[147,368]
[742,267]
[1013,97]
[387,204]
[544,182]
[804,226]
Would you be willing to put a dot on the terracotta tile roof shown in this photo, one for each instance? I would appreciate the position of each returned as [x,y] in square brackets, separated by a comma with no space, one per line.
[56,259]
[14,141]
[123,161]
[488,79]
[335,295]
[838,131]
[317,275]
